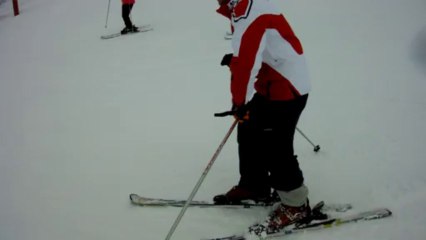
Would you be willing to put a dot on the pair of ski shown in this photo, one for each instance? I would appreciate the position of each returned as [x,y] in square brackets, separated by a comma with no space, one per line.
[320,219]
[143,28]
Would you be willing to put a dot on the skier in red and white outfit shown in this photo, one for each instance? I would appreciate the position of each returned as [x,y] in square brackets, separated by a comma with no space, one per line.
[126,9]
[269,87]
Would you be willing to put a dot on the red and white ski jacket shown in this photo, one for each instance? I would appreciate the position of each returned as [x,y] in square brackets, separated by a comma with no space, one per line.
[268,57]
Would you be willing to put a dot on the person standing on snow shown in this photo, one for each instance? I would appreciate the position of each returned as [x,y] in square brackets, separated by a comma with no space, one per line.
[269,88]
[126,9]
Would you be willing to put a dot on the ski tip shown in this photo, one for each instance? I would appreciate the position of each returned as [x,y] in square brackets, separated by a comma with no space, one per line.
[387,211]
[133,196]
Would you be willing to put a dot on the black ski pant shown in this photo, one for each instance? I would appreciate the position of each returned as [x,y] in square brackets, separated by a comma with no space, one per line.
[265,145]
[125,13]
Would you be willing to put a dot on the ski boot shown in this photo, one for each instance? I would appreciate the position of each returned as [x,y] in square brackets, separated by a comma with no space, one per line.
[280,218]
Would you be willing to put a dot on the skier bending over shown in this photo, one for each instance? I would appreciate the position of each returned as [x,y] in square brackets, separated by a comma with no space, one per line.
[269,88]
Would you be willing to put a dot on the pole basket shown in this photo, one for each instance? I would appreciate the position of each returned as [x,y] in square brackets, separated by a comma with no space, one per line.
[15,7]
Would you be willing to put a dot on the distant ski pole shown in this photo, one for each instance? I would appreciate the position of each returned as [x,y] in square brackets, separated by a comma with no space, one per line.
[203,176]
[316,147]
[106,21]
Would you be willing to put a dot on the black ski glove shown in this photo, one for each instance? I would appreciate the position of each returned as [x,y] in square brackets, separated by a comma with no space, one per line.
[226,60]
[241,113]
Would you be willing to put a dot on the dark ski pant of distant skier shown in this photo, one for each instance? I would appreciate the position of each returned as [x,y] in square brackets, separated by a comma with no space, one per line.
[265,145]
[125,12]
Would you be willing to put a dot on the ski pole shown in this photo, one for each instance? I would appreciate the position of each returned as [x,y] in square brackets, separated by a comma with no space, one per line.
[106,21]
[228,113]
[197,186]
[316,147]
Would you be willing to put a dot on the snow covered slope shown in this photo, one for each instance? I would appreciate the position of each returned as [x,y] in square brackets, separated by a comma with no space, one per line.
[84,121]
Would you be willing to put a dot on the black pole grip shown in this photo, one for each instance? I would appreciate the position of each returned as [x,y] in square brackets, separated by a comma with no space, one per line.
[224,114]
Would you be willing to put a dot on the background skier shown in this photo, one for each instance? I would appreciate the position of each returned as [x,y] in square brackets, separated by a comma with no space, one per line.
[126,9]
